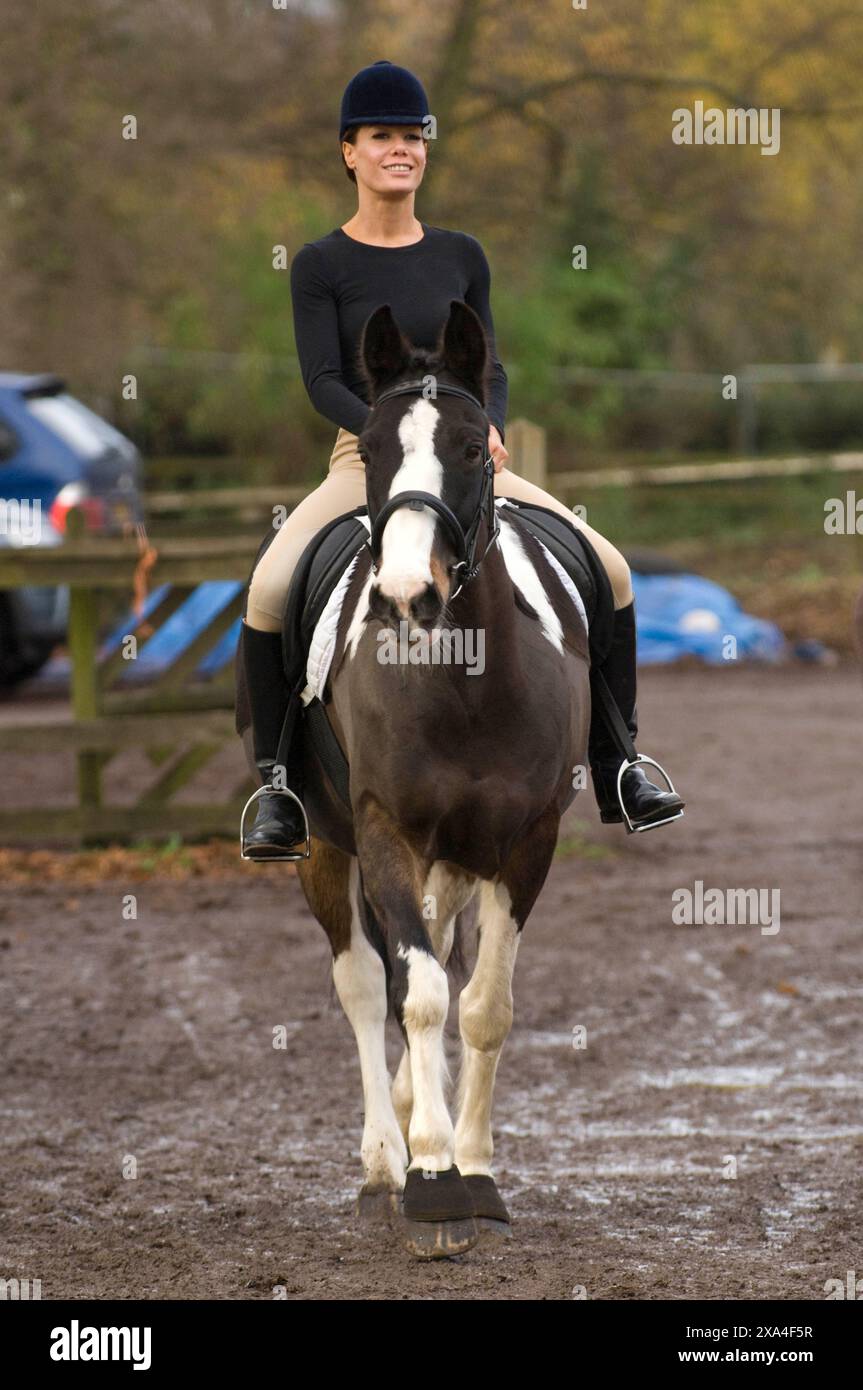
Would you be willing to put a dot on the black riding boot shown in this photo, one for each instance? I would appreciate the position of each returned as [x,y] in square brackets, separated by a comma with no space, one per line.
[646,804]
[279,826]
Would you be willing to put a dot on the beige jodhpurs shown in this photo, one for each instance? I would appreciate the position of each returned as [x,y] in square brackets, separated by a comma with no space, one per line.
[345,488]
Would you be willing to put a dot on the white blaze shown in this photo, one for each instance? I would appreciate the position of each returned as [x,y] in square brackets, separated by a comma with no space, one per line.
[405,567]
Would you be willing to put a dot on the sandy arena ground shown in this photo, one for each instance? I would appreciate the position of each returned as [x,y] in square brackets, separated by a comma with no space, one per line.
[153,1039]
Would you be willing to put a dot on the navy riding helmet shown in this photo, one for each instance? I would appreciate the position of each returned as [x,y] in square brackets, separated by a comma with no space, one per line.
[383,94]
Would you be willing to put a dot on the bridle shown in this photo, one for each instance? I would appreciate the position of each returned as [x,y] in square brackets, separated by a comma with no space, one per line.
[464,542]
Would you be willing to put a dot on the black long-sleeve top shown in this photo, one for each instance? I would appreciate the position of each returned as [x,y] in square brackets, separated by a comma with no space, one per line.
[337,282]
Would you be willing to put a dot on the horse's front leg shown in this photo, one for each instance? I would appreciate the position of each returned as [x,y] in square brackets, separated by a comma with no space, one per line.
[486,1010]
[437,1205]
[330,881]
[446,892]
[360,981]
[485,1018]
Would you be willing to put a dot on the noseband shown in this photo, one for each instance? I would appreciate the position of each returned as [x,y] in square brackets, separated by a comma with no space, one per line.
[464,542]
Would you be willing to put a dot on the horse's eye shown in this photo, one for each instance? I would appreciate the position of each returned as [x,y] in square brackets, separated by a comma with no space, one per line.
[363,455]
[474,451]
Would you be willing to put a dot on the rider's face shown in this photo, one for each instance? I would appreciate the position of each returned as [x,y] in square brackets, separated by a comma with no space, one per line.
[388,159]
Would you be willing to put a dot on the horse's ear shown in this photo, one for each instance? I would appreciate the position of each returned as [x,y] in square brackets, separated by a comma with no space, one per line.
[464,348]
[384,350]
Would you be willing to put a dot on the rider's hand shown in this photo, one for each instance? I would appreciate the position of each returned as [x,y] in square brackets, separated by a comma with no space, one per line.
[496,449]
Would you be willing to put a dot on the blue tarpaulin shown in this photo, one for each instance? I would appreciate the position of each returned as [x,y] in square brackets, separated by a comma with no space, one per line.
[684,615]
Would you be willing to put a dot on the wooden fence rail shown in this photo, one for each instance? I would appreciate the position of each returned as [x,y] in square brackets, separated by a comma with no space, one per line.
[527,445]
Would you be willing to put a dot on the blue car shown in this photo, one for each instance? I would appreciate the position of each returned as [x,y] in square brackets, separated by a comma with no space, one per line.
[55,454]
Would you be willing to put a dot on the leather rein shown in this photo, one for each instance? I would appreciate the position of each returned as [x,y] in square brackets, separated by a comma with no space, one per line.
[464,542]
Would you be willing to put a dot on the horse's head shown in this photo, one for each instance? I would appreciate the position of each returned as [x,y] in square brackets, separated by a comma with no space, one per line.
[426,440]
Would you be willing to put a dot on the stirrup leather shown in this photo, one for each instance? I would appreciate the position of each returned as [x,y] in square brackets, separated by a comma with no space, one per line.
[649,825]
[289,856]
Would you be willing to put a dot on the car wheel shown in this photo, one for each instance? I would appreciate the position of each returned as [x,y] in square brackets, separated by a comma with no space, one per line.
[18,661]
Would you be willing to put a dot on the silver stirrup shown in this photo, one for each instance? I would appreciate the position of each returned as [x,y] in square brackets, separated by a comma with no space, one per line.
[291,855]
[654,824]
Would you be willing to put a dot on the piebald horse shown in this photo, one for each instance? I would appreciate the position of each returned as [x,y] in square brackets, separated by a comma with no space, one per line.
[458,777]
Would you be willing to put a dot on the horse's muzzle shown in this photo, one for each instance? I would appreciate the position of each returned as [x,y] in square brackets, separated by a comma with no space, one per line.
[422,607]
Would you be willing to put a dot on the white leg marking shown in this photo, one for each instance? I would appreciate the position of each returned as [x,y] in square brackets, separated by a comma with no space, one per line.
[444,895]
[485,1018]
[425,1009]
[361,986]
[524,576]
[405,567]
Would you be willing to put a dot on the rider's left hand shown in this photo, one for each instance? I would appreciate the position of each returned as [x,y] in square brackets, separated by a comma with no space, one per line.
[496,449]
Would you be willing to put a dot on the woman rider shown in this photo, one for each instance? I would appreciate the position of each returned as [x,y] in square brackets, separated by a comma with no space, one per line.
[383,254]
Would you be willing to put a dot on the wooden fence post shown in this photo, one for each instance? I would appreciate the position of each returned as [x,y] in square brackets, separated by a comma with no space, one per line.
[83,651]
[526,443]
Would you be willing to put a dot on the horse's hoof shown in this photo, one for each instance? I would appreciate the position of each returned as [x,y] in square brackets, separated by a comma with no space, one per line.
[440,1240]
[489,1208]
[439,1220]
[378,1206]
[487,1227]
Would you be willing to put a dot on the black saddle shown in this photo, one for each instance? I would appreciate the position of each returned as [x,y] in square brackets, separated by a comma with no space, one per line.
[325,560]
[318,571]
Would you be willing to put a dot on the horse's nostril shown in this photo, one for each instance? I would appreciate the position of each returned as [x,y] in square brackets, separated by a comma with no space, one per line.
[404,595]
[426,605]
[380,604]
[386,608]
